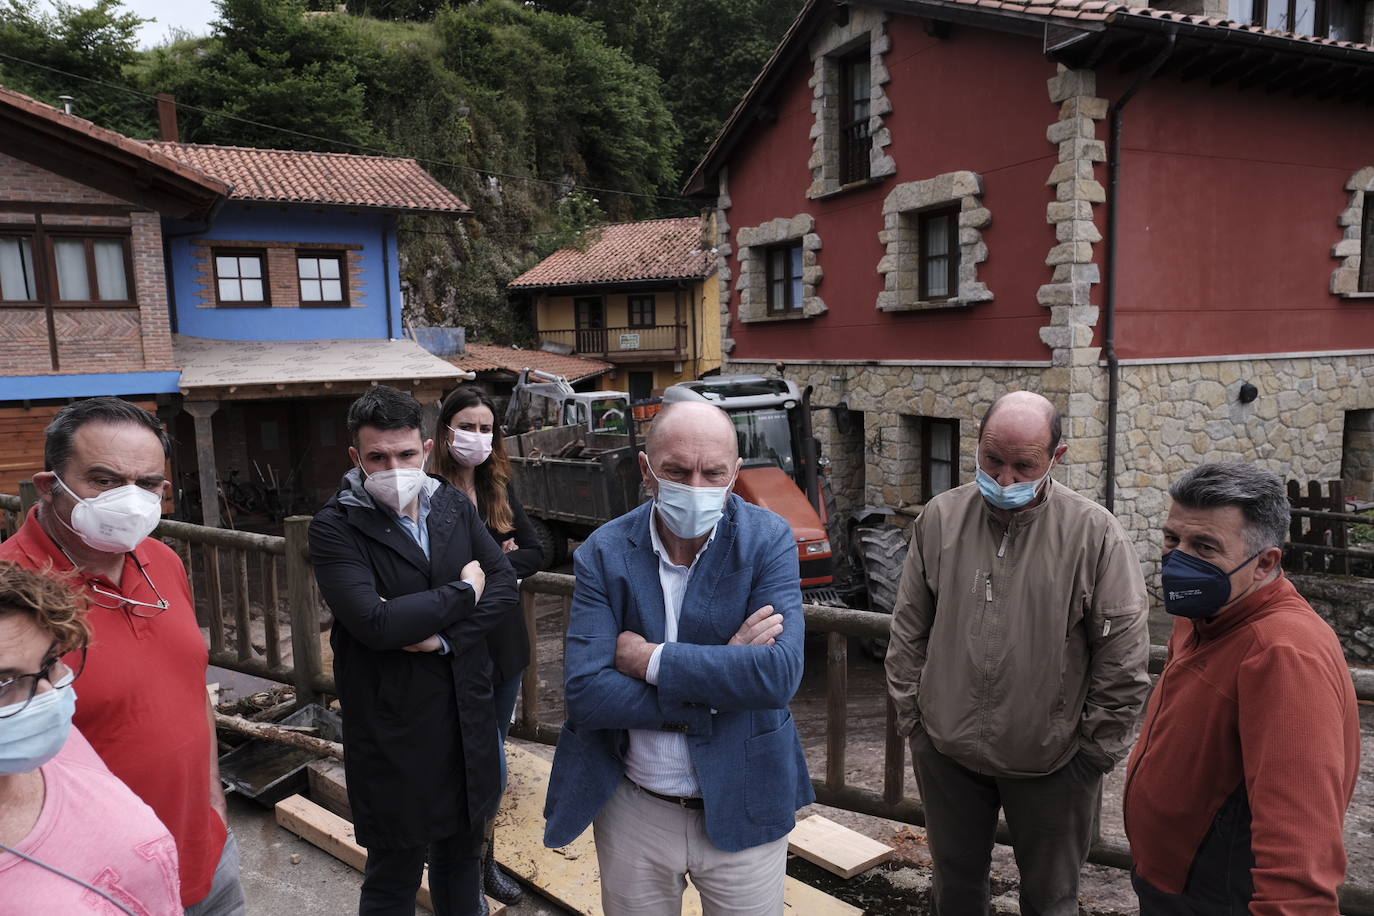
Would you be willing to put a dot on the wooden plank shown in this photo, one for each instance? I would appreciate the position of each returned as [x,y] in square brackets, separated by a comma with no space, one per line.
[570,876]
[836,848]
[333,834]
[327,786]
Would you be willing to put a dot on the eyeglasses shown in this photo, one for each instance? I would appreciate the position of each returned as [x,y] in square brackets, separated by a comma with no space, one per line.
[133,604]
[17,692]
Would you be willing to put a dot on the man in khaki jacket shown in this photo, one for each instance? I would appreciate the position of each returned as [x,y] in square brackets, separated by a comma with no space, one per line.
[1017,663]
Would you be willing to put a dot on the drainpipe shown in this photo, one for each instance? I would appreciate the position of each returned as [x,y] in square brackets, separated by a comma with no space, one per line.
[1109,320]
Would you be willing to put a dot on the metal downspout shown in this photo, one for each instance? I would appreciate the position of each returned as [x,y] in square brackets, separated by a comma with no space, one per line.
[1109,320]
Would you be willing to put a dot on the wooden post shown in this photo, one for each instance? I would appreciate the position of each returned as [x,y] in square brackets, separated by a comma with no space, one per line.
[202,412]
[214,595]
[836,708]
[303,601]
[28,496]
[271,607]
[242,605]
[529,688]
[894,758]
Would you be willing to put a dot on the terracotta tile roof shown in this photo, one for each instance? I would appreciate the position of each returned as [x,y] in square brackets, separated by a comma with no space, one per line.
[653,249]
[32,109]
[340,179]
[486,358]
[1101,10]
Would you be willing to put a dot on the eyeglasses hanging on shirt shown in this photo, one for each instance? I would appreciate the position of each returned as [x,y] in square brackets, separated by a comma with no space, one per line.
[119,600]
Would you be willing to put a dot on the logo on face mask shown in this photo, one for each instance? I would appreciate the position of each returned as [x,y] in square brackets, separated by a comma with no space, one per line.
[117,520]
[469,448]
[689,512]
[1014,495]
[1193,587]
[396,488]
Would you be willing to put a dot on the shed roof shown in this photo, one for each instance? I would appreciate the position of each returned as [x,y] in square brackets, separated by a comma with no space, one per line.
[652,249]
[490,358]
[331,179]
[209,363]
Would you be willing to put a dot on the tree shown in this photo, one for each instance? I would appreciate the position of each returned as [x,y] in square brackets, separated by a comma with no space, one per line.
[97,42]
[267,62]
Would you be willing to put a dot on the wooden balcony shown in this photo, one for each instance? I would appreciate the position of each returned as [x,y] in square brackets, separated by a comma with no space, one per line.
[624,345]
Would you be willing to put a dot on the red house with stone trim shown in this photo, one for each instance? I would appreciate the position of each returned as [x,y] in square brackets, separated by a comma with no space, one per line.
[1154,215]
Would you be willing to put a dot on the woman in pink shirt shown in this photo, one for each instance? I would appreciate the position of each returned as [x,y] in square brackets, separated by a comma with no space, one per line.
[73,838]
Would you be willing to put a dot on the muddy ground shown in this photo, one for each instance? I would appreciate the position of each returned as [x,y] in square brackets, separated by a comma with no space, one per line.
[901,887]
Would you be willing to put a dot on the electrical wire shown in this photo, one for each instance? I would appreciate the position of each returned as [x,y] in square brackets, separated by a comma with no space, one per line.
[370,150]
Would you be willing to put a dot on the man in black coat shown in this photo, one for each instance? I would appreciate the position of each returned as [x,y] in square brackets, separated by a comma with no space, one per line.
[415,583]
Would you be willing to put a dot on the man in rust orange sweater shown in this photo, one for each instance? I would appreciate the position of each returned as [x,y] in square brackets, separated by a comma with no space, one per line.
[1237,789]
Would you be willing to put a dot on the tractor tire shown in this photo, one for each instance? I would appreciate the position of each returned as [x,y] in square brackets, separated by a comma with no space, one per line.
[882,551]
[552,541]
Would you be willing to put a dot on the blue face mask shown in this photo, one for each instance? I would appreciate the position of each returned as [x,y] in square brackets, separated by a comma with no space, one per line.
[689,512]
[32,737]
[1014,495]
[1193,587]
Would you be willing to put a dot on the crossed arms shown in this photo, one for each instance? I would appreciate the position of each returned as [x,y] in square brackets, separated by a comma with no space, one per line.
[759,667]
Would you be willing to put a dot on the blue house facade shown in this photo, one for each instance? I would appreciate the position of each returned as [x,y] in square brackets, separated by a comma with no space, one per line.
[246,295]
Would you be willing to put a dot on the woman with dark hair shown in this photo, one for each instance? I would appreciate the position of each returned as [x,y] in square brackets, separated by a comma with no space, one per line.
[471,455]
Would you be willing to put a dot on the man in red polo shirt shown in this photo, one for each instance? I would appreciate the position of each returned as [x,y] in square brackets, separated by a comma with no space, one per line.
[143,705]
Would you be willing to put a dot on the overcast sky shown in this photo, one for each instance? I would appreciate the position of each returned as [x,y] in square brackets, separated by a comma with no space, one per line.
[191,15]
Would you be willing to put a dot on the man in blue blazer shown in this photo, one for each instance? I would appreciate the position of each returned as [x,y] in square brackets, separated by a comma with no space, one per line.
[684,649]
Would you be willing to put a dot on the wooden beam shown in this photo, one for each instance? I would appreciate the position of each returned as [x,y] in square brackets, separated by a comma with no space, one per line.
[326,830]
[836,848]
[328,788]
[1242,64]
[570,876]
[1208,64]
[202,413]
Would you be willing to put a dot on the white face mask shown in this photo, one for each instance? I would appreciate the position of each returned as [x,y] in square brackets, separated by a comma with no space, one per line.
[469,448]
[689,512]
[117,520]
[396,489]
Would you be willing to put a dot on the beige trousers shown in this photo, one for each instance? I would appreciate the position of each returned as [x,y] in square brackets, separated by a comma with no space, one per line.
[647,847]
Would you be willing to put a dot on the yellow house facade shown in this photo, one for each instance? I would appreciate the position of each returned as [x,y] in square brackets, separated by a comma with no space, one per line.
[641,296]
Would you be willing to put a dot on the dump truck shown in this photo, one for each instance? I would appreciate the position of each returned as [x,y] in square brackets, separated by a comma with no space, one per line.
[540,400]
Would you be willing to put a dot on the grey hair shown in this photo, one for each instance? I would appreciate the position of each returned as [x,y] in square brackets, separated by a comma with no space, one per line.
[61,432]
[1259,494]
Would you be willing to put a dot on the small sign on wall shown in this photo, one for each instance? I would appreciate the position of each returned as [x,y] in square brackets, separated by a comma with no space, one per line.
[629,341]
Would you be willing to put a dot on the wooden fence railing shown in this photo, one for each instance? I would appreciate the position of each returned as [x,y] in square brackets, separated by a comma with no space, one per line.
[223,573]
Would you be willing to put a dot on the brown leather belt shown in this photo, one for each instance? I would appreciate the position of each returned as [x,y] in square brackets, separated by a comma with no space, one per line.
[692,802]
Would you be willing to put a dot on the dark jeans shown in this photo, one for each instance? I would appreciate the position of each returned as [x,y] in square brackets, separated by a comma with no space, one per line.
[1051,823]
[392,877]
[503,696]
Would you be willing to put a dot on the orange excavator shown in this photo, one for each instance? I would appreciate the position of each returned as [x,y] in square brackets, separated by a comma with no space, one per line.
[782,468]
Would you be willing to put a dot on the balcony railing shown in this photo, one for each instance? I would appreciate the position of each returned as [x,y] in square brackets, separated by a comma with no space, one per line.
[663,340]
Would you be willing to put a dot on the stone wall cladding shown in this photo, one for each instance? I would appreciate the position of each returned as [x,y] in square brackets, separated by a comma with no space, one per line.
[1173,416]
[863,24]
[889,397]
[1345,280]
[723,251]
[1347,603]
[752,283]
[900,266]
[1076,383]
